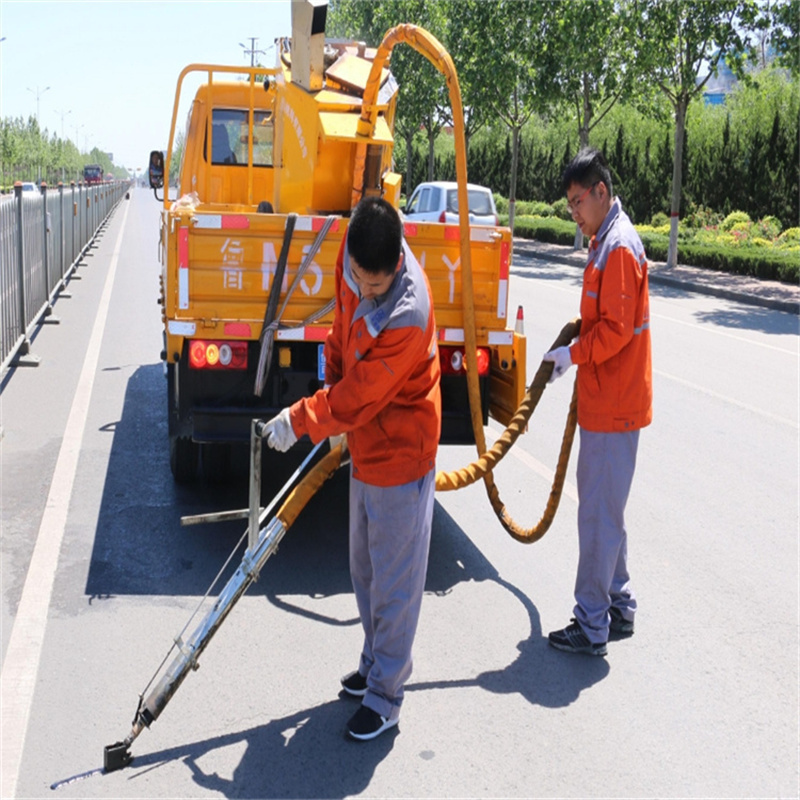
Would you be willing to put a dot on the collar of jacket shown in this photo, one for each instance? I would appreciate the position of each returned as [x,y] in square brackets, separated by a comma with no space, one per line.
[611,218]
[376,312]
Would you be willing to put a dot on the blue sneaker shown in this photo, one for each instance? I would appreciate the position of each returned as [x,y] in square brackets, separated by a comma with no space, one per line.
[572,639]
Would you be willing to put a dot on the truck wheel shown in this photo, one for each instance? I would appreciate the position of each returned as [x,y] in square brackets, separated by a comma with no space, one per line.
[183,458]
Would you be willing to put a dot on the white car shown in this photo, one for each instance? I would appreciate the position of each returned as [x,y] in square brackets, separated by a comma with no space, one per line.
[28,186]
[437,201]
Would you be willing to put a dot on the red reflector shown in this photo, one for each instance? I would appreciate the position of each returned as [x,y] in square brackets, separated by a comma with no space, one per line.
[238,329]
[217,355]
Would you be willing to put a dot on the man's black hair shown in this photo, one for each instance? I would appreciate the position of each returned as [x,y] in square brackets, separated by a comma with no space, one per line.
[587,168]
[375,236]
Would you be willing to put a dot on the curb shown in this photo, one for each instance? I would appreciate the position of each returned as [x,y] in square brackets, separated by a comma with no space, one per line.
[529,248]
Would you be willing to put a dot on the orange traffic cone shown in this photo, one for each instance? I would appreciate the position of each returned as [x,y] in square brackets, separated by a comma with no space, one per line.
[519,328]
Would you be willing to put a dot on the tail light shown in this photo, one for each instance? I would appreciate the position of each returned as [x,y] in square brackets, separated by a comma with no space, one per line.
[204,354]
[453,361]
[443,217]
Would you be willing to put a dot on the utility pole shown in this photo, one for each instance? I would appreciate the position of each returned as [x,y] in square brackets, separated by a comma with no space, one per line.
[252,51]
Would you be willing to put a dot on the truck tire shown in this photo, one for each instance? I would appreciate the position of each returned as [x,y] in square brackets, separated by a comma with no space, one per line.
[183,459]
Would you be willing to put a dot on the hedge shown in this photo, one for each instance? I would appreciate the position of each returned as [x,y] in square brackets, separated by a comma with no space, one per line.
[767,264]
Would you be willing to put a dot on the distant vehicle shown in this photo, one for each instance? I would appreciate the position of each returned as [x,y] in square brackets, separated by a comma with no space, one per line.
[109,178]
[28,186]
[437,201]
[93,173]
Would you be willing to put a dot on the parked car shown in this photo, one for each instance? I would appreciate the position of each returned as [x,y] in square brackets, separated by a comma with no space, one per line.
[28,186]
[437,201]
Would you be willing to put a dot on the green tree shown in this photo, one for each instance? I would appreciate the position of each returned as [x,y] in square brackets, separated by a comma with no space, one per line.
[681,44]
[590,77]
[783,17]
[511,41]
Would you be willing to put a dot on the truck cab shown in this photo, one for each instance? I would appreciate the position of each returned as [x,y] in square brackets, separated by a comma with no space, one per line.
[273,161]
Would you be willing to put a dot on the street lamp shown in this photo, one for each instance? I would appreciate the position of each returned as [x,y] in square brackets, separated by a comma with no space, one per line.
[78,129]
[63,114]
[38,94]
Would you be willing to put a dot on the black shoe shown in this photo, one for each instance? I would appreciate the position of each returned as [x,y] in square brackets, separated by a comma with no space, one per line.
[367,724]
[619,624]
[355,684]
[572,639]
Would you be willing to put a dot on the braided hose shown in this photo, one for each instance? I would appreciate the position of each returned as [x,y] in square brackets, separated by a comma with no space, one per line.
[482,468]
[427,45]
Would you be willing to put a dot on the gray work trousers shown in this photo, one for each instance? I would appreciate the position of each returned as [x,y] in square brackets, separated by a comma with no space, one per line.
[606,463]
[390,533]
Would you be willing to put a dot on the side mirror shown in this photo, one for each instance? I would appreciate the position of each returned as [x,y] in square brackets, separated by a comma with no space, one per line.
[156,170]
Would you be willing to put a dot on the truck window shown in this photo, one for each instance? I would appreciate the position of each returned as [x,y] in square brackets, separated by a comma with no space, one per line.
[229,137]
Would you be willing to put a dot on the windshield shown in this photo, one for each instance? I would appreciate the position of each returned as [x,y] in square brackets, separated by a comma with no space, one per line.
[480,201]
[229,137]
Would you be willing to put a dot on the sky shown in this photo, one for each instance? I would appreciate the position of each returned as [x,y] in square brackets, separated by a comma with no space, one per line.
[113,66]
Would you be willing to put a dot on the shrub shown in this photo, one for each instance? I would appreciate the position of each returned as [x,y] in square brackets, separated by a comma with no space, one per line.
[534,208]
[769,227]
[550,229]
[560,209]
[660,219]
[699,216]
[789,238]
[761,261]
[525,208]
[736,220]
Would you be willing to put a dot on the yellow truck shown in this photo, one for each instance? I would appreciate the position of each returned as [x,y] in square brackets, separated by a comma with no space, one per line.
[273,161]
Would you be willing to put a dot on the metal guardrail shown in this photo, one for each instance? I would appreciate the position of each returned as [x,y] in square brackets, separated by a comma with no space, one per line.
[43,236]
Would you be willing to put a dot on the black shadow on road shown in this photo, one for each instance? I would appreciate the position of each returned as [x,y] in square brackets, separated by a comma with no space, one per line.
[754,318]
[540,675]
[303,755]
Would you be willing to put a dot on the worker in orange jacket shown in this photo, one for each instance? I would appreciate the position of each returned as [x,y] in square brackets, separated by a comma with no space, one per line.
[382,390]
[615,400]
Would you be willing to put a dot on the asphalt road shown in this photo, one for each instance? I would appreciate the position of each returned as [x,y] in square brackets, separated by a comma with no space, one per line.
[98,576]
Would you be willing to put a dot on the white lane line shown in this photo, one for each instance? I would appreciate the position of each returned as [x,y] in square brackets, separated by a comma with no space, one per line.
[570,489]
[792,423]
[21,664]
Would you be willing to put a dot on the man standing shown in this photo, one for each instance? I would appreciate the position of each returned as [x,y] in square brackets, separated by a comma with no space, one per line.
[614,401]
[382,390]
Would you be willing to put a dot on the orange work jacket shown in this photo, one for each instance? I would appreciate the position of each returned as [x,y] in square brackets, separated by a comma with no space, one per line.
[615,385]
[382,364]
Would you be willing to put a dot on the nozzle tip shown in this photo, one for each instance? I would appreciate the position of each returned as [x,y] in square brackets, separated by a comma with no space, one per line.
[116,756]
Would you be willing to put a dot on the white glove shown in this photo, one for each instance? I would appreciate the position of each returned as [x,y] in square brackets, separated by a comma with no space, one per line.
[561,359]
[279,432]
